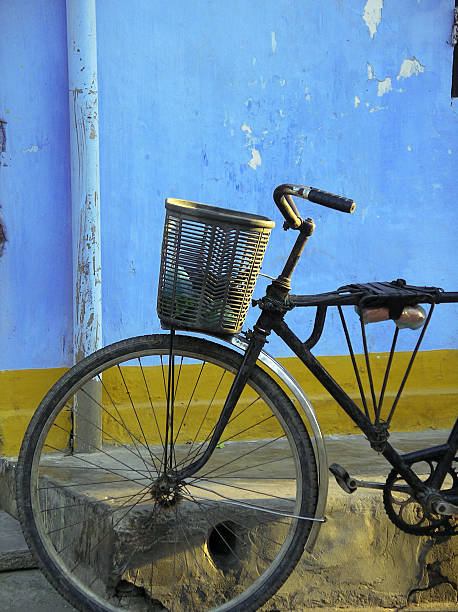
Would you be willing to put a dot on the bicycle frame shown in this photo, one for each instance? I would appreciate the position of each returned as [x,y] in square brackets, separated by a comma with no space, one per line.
[372,432]
[274,305]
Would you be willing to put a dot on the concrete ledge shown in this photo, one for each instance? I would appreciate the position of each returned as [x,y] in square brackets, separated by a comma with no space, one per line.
[360,559]
[8,486]
[14,553]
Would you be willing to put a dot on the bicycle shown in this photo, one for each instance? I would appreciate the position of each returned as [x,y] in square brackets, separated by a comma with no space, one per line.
[174,472]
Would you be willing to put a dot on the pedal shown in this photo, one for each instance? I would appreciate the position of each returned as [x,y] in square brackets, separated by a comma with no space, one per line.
[343,478]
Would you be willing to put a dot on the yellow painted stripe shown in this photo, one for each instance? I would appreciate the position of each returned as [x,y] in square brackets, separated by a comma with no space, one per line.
[20,393]
[429,398]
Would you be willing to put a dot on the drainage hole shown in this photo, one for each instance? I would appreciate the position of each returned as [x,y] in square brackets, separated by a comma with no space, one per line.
[223,544]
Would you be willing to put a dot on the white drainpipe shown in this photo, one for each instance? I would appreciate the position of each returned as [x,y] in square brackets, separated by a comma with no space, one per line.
[85,190]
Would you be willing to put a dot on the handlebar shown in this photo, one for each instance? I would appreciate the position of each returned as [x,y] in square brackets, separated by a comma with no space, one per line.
[285,203]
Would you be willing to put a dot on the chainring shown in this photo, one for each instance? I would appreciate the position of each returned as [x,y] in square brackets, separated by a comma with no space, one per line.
[407,513]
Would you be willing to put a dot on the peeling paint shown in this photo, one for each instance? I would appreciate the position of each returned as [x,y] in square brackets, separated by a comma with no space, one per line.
[251,140]
[255,160]
[384,86]
[32,149]
[87,294]
[299,157]
[378,108]
[410,67]
[217,94]
[273,41]
[373,15]
[83,103]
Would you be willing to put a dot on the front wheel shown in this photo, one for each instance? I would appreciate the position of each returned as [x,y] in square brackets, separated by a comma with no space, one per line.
[98,504]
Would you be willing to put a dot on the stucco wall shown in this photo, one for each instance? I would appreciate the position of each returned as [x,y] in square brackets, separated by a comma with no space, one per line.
[35,269]
[219,102]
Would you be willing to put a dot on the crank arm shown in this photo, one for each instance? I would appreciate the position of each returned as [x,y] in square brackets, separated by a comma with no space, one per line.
[349,484]
[367,484]
[445,508]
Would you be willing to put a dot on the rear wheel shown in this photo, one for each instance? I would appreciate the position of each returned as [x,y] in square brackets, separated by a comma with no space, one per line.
[100,510]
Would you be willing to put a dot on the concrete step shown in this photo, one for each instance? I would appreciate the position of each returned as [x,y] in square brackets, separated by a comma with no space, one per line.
[24,591]
[14,553]
[361,560]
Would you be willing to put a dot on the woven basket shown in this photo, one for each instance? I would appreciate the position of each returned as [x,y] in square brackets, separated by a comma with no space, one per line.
[209,265]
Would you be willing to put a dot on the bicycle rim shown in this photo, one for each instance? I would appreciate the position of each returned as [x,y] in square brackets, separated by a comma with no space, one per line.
[94,502]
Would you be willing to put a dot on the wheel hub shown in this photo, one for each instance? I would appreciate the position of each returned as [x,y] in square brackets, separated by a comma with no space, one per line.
[165,491]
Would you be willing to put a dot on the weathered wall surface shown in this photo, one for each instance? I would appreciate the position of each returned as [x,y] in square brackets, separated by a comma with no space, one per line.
[35,268]
[219,102]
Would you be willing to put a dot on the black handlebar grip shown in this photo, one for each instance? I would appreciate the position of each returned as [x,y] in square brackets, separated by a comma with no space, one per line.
[284,201]
[330,200]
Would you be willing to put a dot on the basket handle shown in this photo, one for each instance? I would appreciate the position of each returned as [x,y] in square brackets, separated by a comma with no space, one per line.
[284,202]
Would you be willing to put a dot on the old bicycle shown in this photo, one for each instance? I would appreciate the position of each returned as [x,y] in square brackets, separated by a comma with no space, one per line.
[174,472]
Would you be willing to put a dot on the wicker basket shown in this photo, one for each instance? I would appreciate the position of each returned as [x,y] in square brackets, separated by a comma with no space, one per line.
[209,265]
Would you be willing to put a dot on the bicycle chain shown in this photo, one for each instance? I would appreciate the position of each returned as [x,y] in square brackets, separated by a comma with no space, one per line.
[439,525]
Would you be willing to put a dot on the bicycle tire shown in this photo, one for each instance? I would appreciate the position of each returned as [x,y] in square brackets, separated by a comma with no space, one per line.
[225,551]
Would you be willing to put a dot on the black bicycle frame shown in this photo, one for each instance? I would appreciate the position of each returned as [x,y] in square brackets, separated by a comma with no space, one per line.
[274,304]
[400,462]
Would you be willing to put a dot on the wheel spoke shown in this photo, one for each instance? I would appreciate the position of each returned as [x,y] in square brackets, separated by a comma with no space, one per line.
[136,413]
[244,455]
[114,526]
[132,437]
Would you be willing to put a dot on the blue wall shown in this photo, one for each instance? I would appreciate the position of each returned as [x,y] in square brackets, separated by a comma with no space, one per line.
[36,268]
[219,102]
